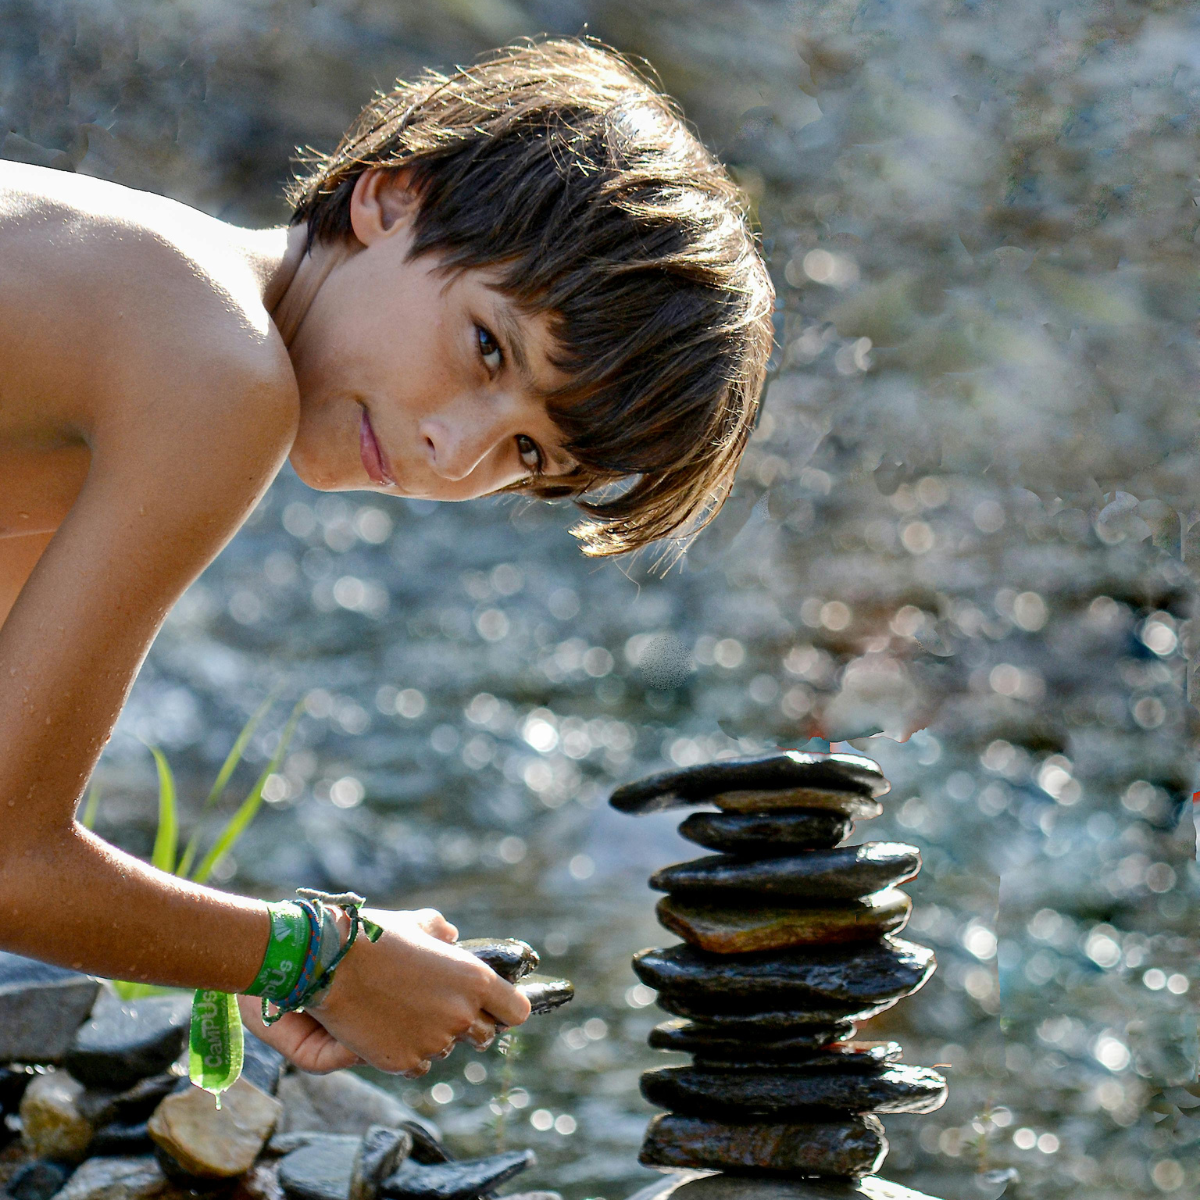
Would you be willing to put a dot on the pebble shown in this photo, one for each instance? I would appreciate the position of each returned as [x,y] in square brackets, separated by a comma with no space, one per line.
[123,1140]
[41,1007]
[692,1037]
[510,958]
[766,834]
[115,1179]
[38,1180]
[456,1180]
[103,1107]
[544,993]
[841,1056]
[885,970]
[846,873]
[212,1142]
[852,1147]
[775,1092]
[125,1041]
[261,1182]
[379,1155]
[788,770]
[724,929]
[735,1187]
[847,804]
[320,1170]
[52,1125]
[341,1102]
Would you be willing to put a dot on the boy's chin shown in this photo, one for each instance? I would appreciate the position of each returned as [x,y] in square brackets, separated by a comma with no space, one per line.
[319,476]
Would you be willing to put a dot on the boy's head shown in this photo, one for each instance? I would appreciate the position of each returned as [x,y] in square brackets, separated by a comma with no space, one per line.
[562,171]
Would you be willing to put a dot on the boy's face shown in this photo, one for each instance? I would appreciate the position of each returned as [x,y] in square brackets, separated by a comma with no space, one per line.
[417,383]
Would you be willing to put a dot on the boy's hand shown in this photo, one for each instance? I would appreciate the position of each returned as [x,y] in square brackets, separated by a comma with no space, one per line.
[401,1002]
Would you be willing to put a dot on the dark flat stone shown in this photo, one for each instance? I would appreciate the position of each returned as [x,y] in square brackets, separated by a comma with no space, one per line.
[790,769]
[456,1180]
[716,1042]
[845,873]
[780,1092]
[380,1154]
[38,1180]
[320,1169]
[13,1082]
[847,804]
[849,1148]
[510,958]
[841,1056]
[41,1007]
[129,1107]
[852,975]
[767,1022]
[261,1064]
[725,927]
[766,834]
[544,993]
[120,1139]
[125,1041]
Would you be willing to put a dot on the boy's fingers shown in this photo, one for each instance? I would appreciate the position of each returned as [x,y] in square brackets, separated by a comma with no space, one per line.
[504,1005]
[434,924]
[481,1034]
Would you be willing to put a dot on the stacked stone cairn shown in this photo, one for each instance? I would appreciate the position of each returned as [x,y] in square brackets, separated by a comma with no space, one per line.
[96,1105]
[788,943]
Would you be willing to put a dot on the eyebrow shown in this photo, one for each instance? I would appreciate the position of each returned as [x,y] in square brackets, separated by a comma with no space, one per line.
[514,337]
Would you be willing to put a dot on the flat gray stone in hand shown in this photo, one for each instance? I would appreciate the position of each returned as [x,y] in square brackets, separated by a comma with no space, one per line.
[789,770]
[766,834]
[709,1041]
[41,1007]
[321,1169]
[544,993]
[852,1147]
[888,969]
[128,1040]
[510,958]
[846,873]
[456,1180]
[780,1091]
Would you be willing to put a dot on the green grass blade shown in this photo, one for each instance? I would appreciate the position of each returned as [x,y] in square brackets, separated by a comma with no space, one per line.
[166,840]
[238,823]
[88,820]
[223,776]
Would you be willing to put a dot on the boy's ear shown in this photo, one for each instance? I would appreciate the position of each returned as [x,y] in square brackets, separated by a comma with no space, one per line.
[382,203]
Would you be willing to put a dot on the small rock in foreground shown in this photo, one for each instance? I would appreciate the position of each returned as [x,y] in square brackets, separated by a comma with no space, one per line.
[52,1125]
[320,1170]
[849,1148]
[723,929]
[125,1041]
[456,1180]
[41,1007]
[115,1179]
[38,1180]
[212,1142]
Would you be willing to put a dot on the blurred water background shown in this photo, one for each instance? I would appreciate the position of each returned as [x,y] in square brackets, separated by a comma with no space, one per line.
[969,511]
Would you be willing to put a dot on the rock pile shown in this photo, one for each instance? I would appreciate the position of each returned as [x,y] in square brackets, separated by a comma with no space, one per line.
[96,1105]
[789,942]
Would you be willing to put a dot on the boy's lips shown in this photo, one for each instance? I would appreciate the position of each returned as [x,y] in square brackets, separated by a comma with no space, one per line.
[371,455]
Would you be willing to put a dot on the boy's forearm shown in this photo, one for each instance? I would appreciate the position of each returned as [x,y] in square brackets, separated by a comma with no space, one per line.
[81,903]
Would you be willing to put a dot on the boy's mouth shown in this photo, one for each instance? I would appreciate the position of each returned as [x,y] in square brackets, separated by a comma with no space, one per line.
[371,454]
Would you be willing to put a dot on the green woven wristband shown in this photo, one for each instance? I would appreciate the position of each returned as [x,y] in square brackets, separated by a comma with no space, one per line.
[286,948]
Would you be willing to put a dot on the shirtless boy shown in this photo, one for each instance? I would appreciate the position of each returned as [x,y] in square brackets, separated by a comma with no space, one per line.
[528,276]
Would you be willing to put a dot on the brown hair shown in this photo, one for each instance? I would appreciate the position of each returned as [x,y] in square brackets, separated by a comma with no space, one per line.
[560,166]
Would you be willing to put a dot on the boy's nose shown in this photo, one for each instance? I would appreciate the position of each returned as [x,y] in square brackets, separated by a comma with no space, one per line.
[457,444]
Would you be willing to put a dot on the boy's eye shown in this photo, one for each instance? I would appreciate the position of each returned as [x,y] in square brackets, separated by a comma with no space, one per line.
[531,453]
[488,347]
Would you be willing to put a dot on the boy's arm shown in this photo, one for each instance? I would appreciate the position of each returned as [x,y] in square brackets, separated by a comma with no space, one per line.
[174,473]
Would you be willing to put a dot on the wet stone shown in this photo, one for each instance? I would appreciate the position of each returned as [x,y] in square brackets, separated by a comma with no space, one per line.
[212,1142]
[854,975]
[39,1180]
[135,1104]
[320,1170]
[52,1125]
[379,1155]
[868,1057]
[778,1091]
[853,1147]
[846,804]
[544,993]
[13,1082]
[456,1180]
[510,958]
[125,1041]
[723,929]
[735,1187]
[766,834]
[135,1178]
[788,770]
[767,1023]
[41,1007]
[262,1065]
[846,873]
[692,1037]
[123,1140]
